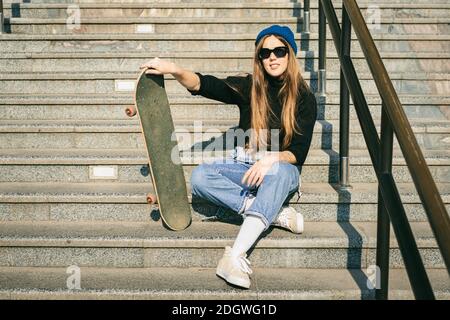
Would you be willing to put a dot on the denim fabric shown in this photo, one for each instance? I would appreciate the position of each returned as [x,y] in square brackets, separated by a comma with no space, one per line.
[220,183]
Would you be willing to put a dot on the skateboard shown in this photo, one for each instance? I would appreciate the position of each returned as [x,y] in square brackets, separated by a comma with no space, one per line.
[152,107]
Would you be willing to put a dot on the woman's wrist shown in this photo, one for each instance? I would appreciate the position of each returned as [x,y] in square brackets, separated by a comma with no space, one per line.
[282,156]
[272,158]
[187,78]
[176,70]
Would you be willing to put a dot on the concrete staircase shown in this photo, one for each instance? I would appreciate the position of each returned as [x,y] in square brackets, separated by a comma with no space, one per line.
[73,173]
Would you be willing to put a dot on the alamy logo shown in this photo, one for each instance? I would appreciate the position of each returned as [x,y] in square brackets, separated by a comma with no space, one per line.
[73,21]
[74,280]
[373,18]
[373,277]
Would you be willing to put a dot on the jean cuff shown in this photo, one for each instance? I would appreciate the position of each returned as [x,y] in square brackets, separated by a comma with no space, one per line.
[259,215]
[244,202]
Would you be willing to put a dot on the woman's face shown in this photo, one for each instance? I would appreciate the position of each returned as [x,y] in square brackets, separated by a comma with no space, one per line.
[273,65]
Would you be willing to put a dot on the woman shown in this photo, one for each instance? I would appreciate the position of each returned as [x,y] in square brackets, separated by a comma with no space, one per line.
[274,97]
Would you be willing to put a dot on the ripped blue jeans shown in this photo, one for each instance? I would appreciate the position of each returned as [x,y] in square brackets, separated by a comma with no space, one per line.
[220,182]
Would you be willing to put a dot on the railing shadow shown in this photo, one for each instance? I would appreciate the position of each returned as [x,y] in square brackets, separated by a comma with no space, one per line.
[7,25]
[15,10]
[355,250]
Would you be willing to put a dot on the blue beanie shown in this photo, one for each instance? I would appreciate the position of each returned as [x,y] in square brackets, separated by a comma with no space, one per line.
[282,31]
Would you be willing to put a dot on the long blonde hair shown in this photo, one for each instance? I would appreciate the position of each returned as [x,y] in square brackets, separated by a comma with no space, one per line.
[292,86]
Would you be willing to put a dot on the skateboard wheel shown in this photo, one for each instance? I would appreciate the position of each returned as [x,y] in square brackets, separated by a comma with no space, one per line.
[151,199]
[130,111]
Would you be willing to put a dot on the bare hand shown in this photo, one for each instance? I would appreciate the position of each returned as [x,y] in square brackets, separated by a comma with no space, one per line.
[159,66]
[255,175]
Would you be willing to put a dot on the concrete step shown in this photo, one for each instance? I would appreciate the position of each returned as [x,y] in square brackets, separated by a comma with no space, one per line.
[394,62]
[147,245]
[183,43]
[107,107]
[172,283]
[186,125]
[394,9]
[147,25]
[383,3]
[106,201]
[142,1]
[431,25]
[158,2]
[191,137]
[116,82]
[142,212]
[213,10]
[127,166]
[172,10]
[27,166]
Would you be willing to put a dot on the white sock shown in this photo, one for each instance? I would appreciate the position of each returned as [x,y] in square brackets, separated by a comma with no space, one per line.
[248,203]
[250,200]
[250,231]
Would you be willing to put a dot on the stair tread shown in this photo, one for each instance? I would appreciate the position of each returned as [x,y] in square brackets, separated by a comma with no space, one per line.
[198,20]
[132,125]
[168,20]
[209,54]
[227,5]
[157,283]
[126,98]
[127,156]
[201,36]
[133,75]
[200,234]
[159,5]
[116,192]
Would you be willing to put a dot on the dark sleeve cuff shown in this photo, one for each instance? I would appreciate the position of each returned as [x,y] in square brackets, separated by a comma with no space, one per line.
[229,90]
[296,154]
[199,91]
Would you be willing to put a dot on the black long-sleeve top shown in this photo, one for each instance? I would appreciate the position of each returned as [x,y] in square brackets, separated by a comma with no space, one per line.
[218,89]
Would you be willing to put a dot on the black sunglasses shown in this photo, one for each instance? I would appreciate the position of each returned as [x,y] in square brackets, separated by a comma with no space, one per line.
[279,52]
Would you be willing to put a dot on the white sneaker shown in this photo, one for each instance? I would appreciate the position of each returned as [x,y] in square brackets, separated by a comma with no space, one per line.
[234,270]
[290,219]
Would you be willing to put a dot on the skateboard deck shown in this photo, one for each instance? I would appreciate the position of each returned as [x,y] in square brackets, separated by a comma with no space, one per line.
[152,107]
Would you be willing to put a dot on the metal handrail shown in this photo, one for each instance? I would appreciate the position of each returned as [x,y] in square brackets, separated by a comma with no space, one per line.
[306,16]
[321,86]
[425,185]
[2,17]
[393,120]
[344,108]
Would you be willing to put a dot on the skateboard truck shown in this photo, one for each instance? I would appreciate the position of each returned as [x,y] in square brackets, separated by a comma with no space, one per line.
[152,199]
[131,111]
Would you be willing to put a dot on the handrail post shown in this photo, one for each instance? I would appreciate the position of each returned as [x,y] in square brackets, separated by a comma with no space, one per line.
[429,195]
[322,78]
[421,175]
[306,17]
[344,117]
[383,224]
[2,15]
